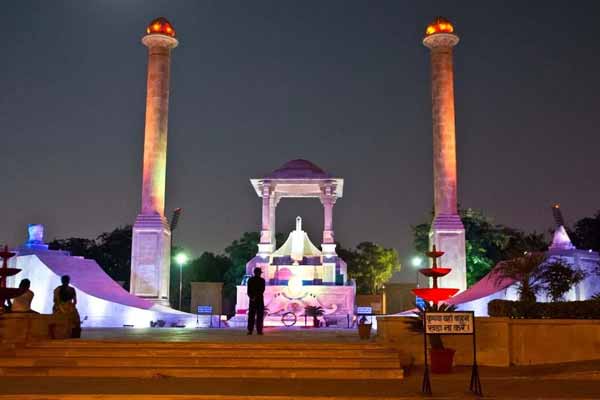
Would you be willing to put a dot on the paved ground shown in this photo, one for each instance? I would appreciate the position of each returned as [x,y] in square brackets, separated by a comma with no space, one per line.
[571,381]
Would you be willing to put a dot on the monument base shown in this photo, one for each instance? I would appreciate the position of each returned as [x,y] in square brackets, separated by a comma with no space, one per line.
[448,234]
[337,302]
[151,258]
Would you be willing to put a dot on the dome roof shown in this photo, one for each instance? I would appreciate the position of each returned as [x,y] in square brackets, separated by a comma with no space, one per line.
[160,26]
[439,25]
[298,169]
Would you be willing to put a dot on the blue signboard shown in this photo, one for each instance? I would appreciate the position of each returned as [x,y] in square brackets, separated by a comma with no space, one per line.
[205,310]
[364,310]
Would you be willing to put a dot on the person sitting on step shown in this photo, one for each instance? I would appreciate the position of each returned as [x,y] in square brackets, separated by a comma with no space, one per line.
[22,303]
[65,301]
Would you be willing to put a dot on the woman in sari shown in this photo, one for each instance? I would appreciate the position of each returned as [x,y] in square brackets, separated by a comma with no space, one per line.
[65,301]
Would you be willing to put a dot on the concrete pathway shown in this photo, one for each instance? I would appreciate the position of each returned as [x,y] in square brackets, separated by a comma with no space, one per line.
[568,381]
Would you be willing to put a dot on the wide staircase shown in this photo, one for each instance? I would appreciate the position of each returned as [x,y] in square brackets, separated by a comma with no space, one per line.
[130,359]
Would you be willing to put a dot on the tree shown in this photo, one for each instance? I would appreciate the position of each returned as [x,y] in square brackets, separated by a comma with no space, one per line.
[114,253]
[209,267]
[76,246]
[239,252]
[586,233]
[558,277]
[371,266]
[526,271]
[486,243]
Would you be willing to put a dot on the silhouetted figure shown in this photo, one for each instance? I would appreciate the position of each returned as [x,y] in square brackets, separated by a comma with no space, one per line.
[65,301]
[22,303]
[256,311]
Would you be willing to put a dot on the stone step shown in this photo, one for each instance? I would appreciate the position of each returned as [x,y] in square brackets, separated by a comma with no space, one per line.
[187,362]
[202,353]
[258,344]
[240,373]
[188,397]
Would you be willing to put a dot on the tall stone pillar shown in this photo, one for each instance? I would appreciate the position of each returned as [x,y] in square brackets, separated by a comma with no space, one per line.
[447,231]
[328,199]
[151,244]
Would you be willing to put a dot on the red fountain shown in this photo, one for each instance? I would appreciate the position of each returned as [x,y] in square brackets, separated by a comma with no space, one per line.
[434,294]
[5,292]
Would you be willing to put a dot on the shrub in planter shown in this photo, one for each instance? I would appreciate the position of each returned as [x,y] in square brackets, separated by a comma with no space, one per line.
[441,358]
[364,328]
[315,312]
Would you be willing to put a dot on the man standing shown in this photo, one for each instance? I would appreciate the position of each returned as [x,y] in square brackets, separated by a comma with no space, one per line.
[256,288]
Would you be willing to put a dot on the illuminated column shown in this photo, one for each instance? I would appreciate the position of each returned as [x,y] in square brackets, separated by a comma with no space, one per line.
[328,199]
[274,200]
[151,245]
[267,244]
[447,230]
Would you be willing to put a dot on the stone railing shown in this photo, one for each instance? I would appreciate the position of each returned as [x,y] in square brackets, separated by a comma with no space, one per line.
[26,327]
[505,341]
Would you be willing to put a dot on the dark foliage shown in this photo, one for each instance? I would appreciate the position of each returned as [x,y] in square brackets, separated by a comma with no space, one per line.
[371,265]
[526,271]
[558,277]
[589,309]
[586,233]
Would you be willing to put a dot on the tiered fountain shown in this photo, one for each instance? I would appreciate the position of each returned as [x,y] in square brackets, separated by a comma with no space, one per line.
[6,292]
[434,294]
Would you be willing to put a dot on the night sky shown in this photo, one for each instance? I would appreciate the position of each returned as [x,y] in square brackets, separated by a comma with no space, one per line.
[344,84]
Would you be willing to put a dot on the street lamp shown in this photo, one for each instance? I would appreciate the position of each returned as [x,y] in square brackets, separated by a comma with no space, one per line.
[416,262]
[180,259]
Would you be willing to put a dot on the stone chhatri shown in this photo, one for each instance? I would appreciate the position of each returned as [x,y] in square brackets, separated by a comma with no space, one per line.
[298,274]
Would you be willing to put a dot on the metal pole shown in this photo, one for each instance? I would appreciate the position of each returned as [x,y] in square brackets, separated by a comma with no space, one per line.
[417,278]
[180,284]
[426,385]
[475,385]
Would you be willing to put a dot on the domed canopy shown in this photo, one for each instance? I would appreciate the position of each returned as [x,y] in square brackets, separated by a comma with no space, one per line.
[299,178]
[160,26]
[439,25]
[298,169]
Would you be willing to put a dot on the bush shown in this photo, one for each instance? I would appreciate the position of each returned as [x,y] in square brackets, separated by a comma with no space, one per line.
[588,309]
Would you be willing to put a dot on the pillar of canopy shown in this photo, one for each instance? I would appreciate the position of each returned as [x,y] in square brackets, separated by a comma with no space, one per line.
[299,179]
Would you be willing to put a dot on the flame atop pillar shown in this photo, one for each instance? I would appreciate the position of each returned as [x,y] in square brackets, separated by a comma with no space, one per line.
[160,26]
[439,25]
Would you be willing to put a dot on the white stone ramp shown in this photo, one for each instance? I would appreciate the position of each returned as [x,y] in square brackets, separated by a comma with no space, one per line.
[101,302]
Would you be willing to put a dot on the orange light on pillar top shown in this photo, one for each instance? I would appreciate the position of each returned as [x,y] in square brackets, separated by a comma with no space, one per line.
[439,25]
[160,26]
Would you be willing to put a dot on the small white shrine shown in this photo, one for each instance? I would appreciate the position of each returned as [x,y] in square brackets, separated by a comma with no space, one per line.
[299,274]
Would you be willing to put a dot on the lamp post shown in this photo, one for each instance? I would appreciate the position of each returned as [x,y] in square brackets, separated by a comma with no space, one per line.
[180,259]
[416,261]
